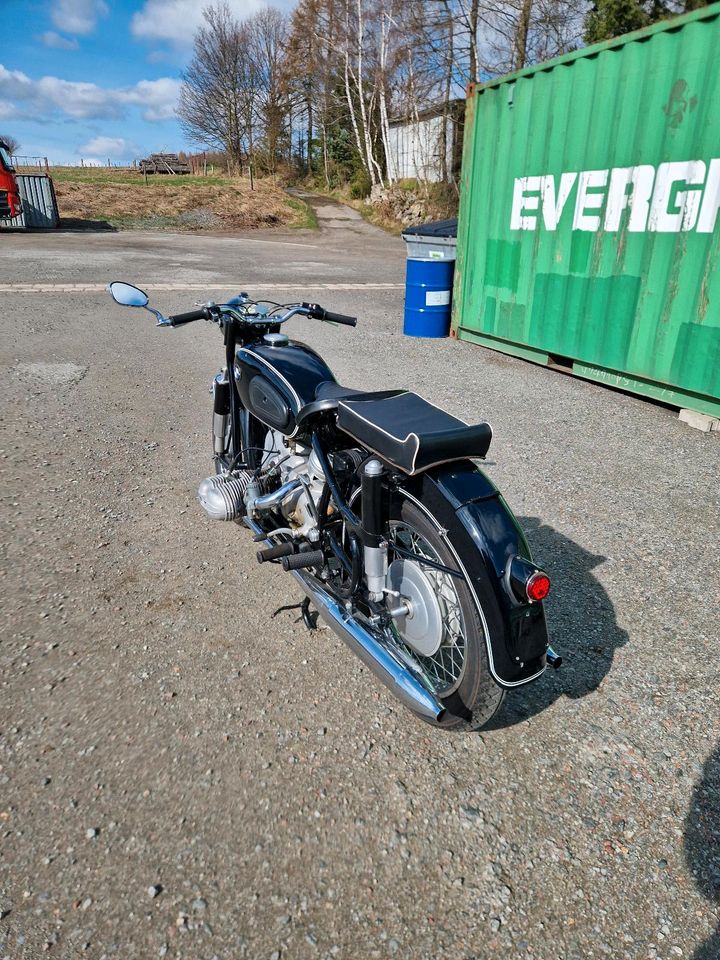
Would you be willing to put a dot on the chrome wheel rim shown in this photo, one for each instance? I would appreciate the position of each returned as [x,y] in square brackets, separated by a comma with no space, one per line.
[445,668]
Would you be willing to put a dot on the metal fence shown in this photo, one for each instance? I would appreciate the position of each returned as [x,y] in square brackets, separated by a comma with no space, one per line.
[30,163]
[40,209]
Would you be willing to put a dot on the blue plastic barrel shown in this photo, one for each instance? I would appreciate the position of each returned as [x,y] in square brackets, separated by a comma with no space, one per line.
[428,291]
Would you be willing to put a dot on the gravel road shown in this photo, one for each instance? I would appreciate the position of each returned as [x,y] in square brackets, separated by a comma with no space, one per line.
[183,776]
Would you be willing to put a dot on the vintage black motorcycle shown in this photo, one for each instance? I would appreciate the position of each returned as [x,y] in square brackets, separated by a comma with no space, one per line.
[370,499]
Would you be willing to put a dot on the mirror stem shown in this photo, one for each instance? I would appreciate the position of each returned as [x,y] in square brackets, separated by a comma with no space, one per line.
[161,320]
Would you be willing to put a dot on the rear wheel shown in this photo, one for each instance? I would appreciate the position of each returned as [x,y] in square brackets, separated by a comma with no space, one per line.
[458,669]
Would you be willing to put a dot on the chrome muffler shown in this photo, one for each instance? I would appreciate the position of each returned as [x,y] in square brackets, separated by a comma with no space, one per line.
[375,654]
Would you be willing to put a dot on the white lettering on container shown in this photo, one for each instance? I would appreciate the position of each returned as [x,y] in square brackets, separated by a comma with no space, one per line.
[677,197]
[640,179]
[552,207]
[589,179]
[685,203]
[711,200]
[521,202]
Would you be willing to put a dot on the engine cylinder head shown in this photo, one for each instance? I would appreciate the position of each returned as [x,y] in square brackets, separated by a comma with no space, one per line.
[222,497]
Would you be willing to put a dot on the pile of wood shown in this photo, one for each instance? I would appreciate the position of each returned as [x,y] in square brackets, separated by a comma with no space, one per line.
[163,163]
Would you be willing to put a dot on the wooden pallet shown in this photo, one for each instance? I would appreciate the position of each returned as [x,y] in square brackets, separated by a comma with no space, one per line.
[168,163]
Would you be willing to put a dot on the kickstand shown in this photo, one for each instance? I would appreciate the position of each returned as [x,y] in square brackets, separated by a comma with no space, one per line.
[308,618]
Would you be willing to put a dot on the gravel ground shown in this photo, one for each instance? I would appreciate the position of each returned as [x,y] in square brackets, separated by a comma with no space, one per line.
[183,776]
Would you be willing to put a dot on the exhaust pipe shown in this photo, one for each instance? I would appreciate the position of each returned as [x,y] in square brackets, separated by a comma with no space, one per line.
[272,500]
[376,655]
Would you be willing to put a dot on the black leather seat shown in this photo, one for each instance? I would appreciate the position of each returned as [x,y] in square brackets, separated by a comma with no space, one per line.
[408,431]
[327,396]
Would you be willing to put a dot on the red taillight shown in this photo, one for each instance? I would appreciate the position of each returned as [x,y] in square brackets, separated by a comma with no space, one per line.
[537,587]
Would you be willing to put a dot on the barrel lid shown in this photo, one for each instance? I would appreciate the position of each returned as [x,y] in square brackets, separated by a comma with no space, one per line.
[440,229]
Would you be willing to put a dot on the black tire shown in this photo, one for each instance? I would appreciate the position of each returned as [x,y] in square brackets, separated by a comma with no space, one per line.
[477,698]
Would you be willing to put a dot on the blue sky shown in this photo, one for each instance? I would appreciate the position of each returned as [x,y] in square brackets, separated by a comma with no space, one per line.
[97,79]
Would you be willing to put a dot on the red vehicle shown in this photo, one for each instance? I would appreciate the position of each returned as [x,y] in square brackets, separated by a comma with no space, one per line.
[10,205]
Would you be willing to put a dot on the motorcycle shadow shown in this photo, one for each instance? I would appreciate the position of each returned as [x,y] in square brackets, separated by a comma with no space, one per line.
[702,845]
[581,622]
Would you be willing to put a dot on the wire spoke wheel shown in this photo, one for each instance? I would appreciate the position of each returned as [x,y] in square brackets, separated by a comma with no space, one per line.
[448,631]
[444,669]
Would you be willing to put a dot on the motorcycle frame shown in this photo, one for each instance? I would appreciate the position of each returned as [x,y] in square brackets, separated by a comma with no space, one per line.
[466,507]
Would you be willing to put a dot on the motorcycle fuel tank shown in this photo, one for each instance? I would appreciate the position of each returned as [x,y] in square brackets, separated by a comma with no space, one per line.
[275,381]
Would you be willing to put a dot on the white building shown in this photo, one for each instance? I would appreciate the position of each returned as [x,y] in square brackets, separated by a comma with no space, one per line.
[416,144]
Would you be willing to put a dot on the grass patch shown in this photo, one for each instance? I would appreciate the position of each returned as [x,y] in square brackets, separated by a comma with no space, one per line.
[378,216]
[306,217]
[123,199]
[117,175]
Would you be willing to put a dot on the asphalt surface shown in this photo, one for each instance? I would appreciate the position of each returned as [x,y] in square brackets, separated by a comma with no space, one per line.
[182,775]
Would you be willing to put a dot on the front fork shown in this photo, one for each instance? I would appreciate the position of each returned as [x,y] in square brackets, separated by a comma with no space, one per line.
[221,411]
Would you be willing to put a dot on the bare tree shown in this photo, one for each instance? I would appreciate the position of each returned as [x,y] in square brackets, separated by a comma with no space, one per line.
[213,98]
[267,34]
[11,143]
[328,80]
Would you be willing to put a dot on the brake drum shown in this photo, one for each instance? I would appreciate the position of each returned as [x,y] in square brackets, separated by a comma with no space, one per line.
[421,628]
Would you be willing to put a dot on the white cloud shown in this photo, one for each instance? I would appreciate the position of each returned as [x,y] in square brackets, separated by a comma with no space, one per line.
[159,97]
[54,40]
[8,111]
[177,20]
[109,147]
[88,101]
[78,16]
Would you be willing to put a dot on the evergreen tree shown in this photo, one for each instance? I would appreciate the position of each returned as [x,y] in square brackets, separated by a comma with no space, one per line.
[612,18]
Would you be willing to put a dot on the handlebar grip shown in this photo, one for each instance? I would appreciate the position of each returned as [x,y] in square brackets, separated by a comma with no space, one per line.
[340,318]
[180,318]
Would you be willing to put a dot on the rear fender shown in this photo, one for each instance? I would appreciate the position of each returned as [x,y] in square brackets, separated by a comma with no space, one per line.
[485,535]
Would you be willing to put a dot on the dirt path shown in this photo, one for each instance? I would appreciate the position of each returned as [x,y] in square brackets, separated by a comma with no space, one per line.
[337,217]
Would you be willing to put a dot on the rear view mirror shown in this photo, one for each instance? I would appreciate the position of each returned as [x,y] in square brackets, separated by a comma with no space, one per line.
[127,295]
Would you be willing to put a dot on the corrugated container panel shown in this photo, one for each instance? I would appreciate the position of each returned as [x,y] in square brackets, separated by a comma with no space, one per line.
[40,209]
[589,234]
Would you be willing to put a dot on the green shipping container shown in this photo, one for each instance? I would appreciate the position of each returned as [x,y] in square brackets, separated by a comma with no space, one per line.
[589,233]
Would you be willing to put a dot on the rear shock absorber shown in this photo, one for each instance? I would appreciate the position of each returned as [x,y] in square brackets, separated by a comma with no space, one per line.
[375,548]
[221,411]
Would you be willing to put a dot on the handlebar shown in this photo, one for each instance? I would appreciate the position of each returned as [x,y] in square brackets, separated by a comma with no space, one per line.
[340,318]
[319,313]
[179,318]
[245,310]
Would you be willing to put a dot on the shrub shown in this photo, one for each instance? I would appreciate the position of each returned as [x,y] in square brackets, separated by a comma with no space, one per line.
[360,185]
